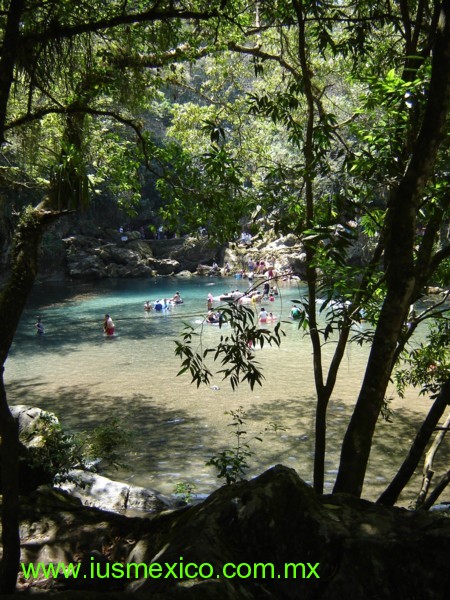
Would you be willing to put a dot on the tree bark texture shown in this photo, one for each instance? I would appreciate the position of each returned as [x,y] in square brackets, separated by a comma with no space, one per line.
[428,471]
[12,302]
[440,487]
[391,493]
[8,58]
[401,273]
[10,495]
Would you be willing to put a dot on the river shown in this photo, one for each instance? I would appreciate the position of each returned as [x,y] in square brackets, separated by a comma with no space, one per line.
[176,427]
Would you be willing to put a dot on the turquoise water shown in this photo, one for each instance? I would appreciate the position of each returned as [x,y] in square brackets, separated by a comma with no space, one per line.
[176,427]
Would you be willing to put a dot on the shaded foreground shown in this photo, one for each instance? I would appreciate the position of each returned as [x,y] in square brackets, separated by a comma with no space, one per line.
[363,550]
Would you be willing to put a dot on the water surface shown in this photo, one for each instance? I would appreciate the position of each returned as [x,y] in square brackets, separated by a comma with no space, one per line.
[176,427]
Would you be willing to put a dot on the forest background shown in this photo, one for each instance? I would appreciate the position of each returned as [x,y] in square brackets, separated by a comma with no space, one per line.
[328,121]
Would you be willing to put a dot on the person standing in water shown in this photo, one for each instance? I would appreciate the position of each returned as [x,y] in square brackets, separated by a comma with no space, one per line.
[108,325]
[39,327]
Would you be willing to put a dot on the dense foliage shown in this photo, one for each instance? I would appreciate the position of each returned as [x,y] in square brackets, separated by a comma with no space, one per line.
[325,120]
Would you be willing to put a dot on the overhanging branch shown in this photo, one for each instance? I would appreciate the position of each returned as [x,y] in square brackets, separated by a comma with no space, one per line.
[151,15]
[258,53]
[160,59]
[39,114]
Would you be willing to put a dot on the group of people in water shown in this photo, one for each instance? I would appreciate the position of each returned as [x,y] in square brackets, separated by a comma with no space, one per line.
[265,317]
[252,296]
[163,304]
[213,316]
[158,306]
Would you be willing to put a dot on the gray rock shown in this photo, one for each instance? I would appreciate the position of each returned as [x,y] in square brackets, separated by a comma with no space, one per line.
[112,235]
[100,492]
[120,255]
[132,235]
[142,247]
[35,425]
[30,421]
[336,546]
[184,274]
[189,252]
[165,266]
[86,265]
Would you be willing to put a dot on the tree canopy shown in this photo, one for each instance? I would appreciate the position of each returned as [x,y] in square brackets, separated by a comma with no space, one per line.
[328,121]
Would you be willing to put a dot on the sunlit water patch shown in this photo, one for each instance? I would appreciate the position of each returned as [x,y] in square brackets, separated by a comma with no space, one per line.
[176,427]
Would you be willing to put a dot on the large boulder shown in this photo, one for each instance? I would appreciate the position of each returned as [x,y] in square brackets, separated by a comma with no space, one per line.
[95,490]
[118,255]
[37,466]
[30,421]
[343,547]
[89,257]
[83,265]
[270,538]
[188,252]
[165,248]
[142,247]
[184,274]
[165,266]
[93,257]
[35,427]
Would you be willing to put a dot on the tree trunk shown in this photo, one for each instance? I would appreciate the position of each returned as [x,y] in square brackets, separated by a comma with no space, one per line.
[10,495]
[12,302]
[310,250]
[8,58]
[443,483]
[402,277]
[390,495]
[358,438]
[428,464]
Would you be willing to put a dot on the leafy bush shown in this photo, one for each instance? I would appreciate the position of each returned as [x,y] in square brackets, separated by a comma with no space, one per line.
[232,463]
[53,452]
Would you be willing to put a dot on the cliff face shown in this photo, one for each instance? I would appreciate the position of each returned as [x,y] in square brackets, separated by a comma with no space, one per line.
[271,538]
[90,252]
[107,253]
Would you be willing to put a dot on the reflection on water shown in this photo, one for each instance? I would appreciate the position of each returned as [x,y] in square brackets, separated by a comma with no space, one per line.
[84,378]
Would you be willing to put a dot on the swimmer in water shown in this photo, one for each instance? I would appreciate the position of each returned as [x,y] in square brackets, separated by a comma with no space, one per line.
[108,326]
[39,327]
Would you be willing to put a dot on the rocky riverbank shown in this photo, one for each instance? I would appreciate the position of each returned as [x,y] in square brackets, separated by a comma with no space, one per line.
[109,253]
[301,545]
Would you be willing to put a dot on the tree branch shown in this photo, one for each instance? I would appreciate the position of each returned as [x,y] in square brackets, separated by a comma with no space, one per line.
[390,495]
[439,257]
[39,114]
[258,53]
[151,15]
[160,59]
